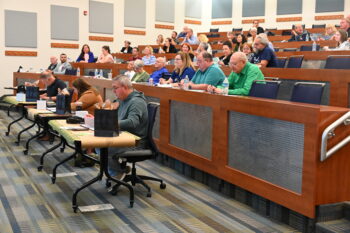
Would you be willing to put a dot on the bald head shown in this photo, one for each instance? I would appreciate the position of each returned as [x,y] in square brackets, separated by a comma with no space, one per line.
[160,63]
[298,28]
[53,60]
[238,61]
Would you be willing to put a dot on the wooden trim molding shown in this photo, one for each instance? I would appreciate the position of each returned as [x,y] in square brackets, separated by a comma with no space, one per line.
[189,21]
[64,45]
[162,26]
[248,21]
[21,53]
[101,38]
[135,32]
[289,19]
[329,17]
[221,22]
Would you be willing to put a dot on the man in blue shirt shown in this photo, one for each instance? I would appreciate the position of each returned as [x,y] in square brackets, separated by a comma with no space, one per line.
[299,34]
[264,56]
[160,70]
[190,38]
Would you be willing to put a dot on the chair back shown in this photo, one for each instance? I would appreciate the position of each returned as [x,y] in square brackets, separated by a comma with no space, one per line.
[270,29]
[295,61]
[214,30]
[152,109]
[338,62]
[318,25]
[286,33]
[290,50]
[237,29]
[70,72]
[307,92]
[309,47]
[265,89]
[281,62]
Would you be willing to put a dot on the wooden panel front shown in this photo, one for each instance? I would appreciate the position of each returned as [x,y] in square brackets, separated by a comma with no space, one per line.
[21,53]
[135,32]
[101,38]
[64,45]
[163,26]
[313,55]
[249,21]
[298,44]
[289,19]
[189,21]
[221,22]
[329,17]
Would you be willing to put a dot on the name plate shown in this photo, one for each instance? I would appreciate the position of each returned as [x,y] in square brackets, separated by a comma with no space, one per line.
[21,97]
[41,104]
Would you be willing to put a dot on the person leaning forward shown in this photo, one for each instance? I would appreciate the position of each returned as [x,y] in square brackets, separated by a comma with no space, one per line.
[52,85]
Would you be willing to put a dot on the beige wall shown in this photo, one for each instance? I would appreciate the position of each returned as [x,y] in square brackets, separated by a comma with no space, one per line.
[42,7]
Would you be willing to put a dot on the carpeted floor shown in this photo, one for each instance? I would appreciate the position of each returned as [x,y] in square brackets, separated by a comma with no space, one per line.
[29,202]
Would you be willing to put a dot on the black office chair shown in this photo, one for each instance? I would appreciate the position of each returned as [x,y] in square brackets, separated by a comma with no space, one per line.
[318,25]
[309,47]
[214,30]
[270,29]
[276,49]
[237,29]
[141,155]
[295,61]
[286,33]
[290,50]
[338,62]
[281,62]
[265,89]
[307,92]
[70,72]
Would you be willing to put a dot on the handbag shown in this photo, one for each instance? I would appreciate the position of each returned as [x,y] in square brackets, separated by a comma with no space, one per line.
[32,94]
[62,104]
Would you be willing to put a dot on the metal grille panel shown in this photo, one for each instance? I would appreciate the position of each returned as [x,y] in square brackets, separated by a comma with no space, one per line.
[267,148]
[191,127]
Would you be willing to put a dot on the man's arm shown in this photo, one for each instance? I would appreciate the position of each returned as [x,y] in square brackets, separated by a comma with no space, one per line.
[133,118]
[251,76]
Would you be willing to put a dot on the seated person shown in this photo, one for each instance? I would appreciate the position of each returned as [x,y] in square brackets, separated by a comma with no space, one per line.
[53,63]
[140,74]
[190,38]
[330,31]
[160,40]
[86,55]
[227,49]
[135,54]
[127,48]
[183,68]
[345,25]
[105,56]
[183,33]
[299,34]
[160,69]
[132,117]
[130,70]
[186,48]
[207,74]
[240,40]
[341,37]
[247,49]
[253,32]
[149,58]
[52,85]
[63,65]
[256,25]
[264,55]
[204,38]
[88,96]
[242,76]
[168,46]
[174,39]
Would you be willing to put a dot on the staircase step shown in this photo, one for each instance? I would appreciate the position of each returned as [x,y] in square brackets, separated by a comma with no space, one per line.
[339,225]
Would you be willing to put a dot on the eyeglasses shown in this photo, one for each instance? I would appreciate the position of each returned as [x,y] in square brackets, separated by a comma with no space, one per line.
[178,59]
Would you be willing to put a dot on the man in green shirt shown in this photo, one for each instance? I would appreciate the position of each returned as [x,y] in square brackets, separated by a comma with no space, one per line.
[207,74]
[242,76]
[140,74]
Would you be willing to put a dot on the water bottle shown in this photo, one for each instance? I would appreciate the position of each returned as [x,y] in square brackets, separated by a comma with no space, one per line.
[314,46]
[101,73]
[150,81]
[186,82]
[225,85]
[78,71]
[115,59]
[307,37]
[110,75]
[96,73]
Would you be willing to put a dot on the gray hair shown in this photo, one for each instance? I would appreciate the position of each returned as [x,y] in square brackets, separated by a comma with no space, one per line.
[207,56]
[138,63]
[204,45]
[123,80]
[263,38]
[240,56]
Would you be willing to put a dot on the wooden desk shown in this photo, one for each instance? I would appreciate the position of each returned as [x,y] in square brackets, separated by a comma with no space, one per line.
[312,55]
[298,44]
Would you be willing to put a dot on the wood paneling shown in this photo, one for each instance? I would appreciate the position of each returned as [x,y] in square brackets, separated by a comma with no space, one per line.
[312,55]
[329,17]
[64,45]
[289,19]
[21,53]
[297,44]
[249,21]
[221,22]
[101,38]
[189,21]
[163,26]
[135,32]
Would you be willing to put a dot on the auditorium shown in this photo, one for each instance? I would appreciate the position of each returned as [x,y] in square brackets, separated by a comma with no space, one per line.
[175,116]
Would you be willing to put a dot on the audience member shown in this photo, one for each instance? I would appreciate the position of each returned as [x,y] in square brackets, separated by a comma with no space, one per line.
[175,40]
[184,32]
[168,46]
[52,84]
[240,40]
[202,47]
[133,118]
[227,49]
[86,55]
[204,38]
[183,68]
[345,25]
[247,49]
[127,48]
[88,96]
[149,58]
[186,48]
[140,74]
[160,40]
[53,63]
[130,70]
[256,25]
[253,32]
[106,56]
[330,31]
[299,34]
[264,56]
[190,38]
[242,76]
[207,74]
[160,70]
[263,35]
[63,65]
[341,37]
[231,37]
[135,54]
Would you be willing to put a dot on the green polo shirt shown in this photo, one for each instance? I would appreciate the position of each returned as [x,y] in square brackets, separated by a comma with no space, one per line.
[241,83]
[213,75]
[140,77]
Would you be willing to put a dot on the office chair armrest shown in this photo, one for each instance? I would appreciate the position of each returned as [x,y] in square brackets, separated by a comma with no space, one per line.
[136,153]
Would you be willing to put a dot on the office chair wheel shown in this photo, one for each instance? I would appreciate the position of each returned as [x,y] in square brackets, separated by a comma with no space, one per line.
[40,168]
[25,152]
[131,204]
[7,133]
[108,183]
[53,180]
[61,150]
[75,209]
[113,191]
[162,186]
[149,194]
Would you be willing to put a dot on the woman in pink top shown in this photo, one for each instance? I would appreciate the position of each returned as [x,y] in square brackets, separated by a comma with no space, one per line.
[106,56]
